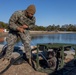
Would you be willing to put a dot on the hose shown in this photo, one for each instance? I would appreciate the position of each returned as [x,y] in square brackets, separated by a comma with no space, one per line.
[11,63]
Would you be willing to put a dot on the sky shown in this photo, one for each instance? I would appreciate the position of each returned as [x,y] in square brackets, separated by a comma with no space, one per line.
[48,12]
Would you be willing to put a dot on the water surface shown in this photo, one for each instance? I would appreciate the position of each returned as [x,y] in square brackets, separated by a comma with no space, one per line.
[69,38]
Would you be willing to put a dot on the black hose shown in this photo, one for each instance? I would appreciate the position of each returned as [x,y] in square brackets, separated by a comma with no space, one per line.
[11,63]
[3,52]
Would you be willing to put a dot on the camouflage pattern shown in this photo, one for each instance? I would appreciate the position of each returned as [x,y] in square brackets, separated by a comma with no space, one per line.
[18,19]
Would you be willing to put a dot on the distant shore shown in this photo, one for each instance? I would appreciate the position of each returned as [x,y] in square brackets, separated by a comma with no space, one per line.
[49,32]
[41,32]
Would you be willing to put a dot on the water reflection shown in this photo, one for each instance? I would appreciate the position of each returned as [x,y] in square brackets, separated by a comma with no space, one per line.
[55,38]
[51,38]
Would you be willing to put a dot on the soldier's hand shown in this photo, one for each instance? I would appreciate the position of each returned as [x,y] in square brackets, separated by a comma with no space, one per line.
[20,29]
[24,26]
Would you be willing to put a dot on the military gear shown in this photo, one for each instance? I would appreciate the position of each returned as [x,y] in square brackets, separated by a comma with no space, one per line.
[11,40]
[31,9]
[52,62]
[16,20]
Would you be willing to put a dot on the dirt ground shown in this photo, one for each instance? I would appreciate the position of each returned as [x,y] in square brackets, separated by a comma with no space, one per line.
[22,69]
[26,69]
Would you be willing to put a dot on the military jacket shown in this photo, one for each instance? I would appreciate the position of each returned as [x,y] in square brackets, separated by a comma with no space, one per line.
[19,18]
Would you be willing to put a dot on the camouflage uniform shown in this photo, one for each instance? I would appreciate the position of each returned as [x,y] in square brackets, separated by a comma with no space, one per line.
[18,19]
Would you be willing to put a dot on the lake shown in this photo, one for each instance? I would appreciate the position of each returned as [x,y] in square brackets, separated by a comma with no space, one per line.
[69,38]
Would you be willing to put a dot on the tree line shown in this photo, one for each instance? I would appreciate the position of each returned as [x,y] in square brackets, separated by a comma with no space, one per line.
[66,27]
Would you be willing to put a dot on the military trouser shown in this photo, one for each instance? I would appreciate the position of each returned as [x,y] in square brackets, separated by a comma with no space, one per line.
[11,40]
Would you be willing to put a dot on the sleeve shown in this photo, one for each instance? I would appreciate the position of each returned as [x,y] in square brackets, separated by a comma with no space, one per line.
[32,24]
[13,20]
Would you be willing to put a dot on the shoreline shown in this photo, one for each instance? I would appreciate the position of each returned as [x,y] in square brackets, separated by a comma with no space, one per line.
[49,32]
[40,32]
